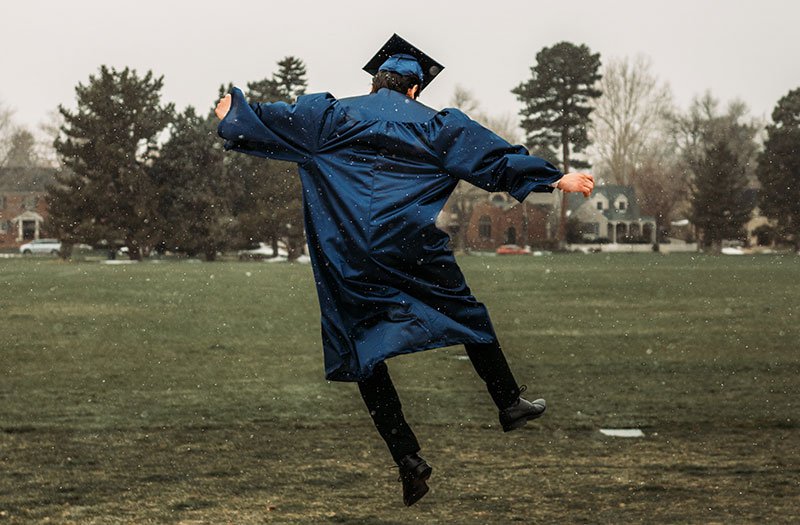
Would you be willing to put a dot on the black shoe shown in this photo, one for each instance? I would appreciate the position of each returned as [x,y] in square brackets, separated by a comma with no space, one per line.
[414,473]
[522,411]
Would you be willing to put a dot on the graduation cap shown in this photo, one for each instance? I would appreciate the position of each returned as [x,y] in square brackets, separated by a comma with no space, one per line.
[400,56]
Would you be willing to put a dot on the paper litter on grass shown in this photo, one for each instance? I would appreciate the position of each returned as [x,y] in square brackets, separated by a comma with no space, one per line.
[622,432]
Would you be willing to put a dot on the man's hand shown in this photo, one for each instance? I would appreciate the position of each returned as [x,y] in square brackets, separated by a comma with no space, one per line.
[223,106]
[577,182]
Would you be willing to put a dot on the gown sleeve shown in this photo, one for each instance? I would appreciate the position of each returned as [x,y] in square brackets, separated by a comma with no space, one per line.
[277,130]
[475,154]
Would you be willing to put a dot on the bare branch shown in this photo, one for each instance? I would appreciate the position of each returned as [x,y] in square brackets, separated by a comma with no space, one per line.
[629,117]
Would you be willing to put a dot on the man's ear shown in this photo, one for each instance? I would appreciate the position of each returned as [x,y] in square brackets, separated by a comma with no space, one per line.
[413,91]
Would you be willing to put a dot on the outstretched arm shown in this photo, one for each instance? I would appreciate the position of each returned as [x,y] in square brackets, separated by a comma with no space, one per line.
[274,130]
[474,153]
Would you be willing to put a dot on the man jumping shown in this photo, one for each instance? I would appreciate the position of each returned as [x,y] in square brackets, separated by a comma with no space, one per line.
[376,171]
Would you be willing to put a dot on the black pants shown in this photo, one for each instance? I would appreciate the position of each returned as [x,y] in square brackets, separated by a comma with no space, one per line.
[384,405]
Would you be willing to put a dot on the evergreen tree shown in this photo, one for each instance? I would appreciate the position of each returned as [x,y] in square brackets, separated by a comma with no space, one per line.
[557,101]
[557,104]
[779,168]
[290,79]
[194,193]
[718,152]
[106,145]
[719,206]
[22,150]
[269,207]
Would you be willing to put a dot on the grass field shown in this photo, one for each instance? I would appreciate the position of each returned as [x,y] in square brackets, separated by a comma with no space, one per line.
[194,393]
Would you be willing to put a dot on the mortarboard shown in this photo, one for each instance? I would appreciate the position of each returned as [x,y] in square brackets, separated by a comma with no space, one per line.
[402,57]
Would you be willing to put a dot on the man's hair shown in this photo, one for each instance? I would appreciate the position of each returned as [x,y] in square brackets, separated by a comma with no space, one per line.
[394,81]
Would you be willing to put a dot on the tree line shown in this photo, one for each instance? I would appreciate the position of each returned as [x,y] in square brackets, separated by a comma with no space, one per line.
[120,185]
[138,173]
[698,163]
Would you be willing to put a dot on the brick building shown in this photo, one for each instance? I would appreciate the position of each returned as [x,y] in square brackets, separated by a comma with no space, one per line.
[498,219]
[23,207]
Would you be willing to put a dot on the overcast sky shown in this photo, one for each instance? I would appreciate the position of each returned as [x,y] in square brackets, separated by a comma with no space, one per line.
[736,49]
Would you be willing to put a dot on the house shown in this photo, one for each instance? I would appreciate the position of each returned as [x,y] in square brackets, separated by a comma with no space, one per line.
[23,207]
[758,225]
[497,219]
[611,213]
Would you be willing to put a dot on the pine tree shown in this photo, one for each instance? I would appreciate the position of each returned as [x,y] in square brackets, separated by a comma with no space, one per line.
[270,205]
[779,168]
[290,78]
[719,152]
[194,193]
[557,100]
[21,150]
[557,104]
[106,145]
[719,206]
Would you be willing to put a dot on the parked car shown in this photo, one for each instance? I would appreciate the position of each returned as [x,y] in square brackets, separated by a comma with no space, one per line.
[512,249]
[39,246]
[261,250]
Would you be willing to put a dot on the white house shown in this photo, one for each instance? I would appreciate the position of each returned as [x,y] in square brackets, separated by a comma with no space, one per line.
[611,213]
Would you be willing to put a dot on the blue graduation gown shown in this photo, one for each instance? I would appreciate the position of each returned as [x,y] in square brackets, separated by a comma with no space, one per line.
[376,170]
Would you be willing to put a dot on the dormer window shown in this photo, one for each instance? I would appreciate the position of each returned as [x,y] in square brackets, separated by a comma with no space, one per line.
[621,205]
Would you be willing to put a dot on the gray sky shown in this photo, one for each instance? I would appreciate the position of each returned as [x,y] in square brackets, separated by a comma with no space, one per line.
[736,49]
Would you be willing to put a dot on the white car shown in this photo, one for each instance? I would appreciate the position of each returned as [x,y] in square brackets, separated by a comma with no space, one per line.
[39,246]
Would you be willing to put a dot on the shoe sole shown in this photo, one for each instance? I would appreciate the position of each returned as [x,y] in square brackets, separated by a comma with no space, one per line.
[423,489]
[522,422]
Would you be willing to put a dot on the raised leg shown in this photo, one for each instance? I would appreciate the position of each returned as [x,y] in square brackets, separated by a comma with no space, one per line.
[492,367]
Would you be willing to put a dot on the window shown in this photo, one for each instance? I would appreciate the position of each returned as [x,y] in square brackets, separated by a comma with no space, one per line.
[485,226]
[599,205]
[30,202]
[621,205]
[2,202]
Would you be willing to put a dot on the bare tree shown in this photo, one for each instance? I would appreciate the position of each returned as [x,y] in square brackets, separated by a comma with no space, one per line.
[661,184]
[6,131]
[629,117]
[464,100]
[50,128]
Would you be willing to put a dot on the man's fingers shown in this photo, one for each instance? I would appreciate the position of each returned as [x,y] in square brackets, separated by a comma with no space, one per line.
[223,106]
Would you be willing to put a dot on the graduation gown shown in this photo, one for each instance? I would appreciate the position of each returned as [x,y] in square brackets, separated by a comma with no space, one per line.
[376,171]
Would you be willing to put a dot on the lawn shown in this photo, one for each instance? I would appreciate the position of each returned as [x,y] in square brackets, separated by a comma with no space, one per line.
[194,393]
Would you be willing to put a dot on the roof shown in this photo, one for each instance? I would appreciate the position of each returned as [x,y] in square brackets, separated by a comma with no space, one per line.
[611,192]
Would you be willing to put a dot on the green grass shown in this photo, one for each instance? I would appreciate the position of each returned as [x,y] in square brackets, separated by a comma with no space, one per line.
[180,392]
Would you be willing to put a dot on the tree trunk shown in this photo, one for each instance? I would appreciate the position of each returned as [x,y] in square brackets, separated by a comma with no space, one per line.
[66,251]
[134,253]
[462,222]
